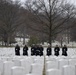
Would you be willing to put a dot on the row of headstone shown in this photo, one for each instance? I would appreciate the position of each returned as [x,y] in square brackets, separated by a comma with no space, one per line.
[66,70]
[61,66]
[23,66]
[35,65]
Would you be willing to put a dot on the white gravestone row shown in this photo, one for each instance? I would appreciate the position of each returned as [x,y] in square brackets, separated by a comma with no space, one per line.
[21,66]
[53,72]
[66,66]
[68,70]
[17,70]
[36,69]
[34,66]
[26,64]
[7,65]
[1,67]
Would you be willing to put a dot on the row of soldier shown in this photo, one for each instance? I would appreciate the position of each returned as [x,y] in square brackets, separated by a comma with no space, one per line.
[38,50]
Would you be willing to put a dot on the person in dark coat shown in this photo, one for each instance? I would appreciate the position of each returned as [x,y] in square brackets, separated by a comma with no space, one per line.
[64,50]
[49,51]
[17,50]
[41,50]
[37,50]
[33,50]
[56,50]
[25,50]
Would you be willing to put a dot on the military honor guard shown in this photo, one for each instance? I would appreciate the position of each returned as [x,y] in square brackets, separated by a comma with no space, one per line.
[17,50]
[56,50]
[64,50]
[33,49]
[49,51]
[41,50]
[25,50]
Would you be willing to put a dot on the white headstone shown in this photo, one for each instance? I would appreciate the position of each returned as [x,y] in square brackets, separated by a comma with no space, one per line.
[51,65]
[53,72]
[39,61]
[1,66]
[7,65]
[16,62]
[68,70]
[26,64]
[0,73]
[36,69]
[17,70]
[72,61]
[62,62]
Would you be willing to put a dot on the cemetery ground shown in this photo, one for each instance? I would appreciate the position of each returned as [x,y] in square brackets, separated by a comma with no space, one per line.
[36,65]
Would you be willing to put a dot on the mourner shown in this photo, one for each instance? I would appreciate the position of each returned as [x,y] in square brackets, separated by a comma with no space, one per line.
[56,50]
[33,49]
[41,50]
[25,50]
[64,50]
[17,50]
[49,51]
[37,51]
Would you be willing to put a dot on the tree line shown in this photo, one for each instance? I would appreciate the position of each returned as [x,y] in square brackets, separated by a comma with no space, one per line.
[47,20]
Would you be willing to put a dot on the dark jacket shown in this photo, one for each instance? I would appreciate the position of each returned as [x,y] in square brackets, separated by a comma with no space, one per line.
[64,51]
[37,51]
[25,50]
[56,50]
[33,49]
[49,51]
[41,51]
[17,50]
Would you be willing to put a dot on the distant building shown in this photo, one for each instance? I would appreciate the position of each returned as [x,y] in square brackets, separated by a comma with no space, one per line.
[21,40]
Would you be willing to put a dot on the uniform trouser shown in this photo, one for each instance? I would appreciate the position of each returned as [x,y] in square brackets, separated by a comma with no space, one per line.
[32,53]
[25,53]
[64,53]
[48,53]
[56,54]
[41,53]
[17,53]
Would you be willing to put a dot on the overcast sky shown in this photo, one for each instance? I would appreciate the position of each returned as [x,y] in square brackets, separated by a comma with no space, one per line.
[71,1]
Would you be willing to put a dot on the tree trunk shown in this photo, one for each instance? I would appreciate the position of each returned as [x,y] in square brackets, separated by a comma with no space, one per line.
[50,24]
[50,40]
[8,41]
[61,43]
[68,39]
[23,40]
[5,44]
[2,42]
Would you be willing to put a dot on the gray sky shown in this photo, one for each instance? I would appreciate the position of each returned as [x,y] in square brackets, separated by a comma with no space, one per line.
[71,1]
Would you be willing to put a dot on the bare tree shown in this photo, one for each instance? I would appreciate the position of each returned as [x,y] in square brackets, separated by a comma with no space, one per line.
[10,19]
[50,16]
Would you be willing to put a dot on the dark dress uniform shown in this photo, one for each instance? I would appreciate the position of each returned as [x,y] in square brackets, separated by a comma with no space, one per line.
[17,50]
[56,50]
[25,50]
[37,50]
[49,51]
[33,50]
[41,51]
[64,51]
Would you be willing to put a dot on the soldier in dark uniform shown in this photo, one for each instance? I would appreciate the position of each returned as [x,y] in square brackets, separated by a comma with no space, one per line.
[41,50]
[33,50]
[25,50]
[37,50]
[49,51]
[64,50]
[17,50]
[56,50]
